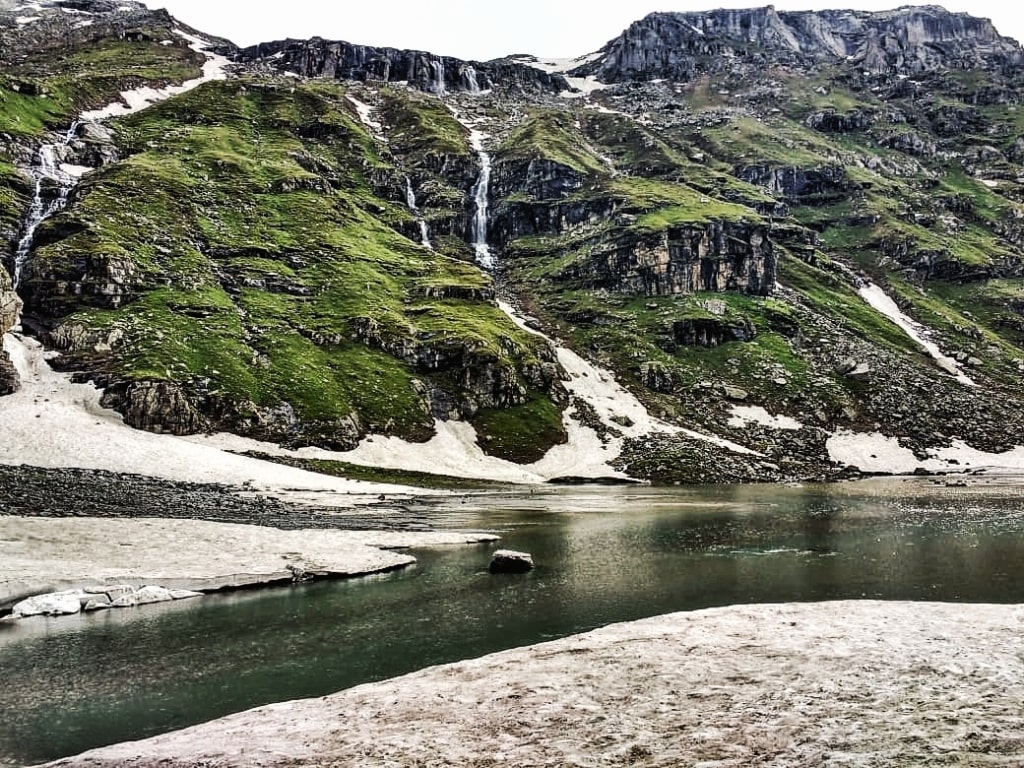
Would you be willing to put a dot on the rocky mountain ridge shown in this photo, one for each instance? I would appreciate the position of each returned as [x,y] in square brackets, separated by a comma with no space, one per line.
[291,253]
[906,41]
[440,75]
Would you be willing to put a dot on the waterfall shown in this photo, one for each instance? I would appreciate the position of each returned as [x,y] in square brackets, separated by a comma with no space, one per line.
[471,81]
[46,170]
[410,199]
[481,190]
[437,85]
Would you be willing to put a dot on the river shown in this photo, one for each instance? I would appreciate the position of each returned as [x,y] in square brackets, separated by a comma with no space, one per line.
[604,555]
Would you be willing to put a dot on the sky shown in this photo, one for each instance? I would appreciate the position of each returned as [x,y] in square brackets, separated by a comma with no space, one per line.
[488,29]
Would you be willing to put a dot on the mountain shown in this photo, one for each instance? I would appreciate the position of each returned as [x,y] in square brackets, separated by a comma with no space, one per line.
[780,231]
[906,41]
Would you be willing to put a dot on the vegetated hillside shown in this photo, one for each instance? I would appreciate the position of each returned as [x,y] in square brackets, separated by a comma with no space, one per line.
[701,226]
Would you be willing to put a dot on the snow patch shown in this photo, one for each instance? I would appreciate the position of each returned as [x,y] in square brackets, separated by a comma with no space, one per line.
[365,115]
[557,65]
[884,304]
[755,414]
[51,422]
[877,453]
[137,99]
[852,683]
[74,171]
[39,554]
[616,406]
[585,85]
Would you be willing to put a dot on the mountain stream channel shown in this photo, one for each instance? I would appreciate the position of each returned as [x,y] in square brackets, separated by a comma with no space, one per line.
[603,555]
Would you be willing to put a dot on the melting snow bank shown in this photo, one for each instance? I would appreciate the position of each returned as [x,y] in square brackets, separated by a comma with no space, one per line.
[874,452]
[884,304]
[742,415]
[846,683]
[51,422]
[454,449]
[140,98]
[617,407]
[39,555]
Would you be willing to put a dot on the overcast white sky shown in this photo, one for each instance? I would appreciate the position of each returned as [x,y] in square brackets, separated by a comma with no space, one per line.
[487,29]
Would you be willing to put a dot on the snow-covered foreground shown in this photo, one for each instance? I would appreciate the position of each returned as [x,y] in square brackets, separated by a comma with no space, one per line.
[54,423]
[39,555]
[828,684]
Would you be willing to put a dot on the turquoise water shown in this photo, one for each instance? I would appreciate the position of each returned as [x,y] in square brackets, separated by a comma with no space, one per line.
[603,555]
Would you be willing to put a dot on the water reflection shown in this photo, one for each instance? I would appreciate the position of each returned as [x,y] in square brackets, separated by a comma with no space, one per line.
[603,556]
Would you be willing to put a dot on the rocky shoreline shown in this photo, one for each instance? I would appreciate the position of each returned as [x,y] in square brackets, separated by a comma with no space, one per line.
[39,492]
[66,529]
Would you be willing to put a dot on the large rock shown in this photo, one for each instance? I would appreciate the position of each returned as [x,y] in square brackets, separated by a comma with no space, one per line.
[509,561]
[55,604]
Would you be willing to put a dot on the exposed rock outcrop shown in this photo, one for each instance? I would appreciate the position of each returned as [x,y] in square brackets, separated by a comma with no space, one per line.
[798,185]
[339,60]
[180,409]
[909,40]
[10,310]
[717,256]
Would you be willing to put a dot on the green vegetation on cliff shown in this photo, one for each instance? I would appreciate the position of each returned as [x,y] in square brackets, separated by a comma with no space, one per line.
[254,264]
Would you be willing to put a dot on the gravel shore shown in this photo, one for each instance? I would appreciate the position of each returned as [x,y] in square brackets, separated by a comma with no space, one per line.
[40,492]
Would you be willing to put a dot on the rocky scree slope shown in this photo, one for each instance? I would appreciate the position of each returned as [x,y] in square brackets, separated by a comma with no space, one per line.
[246,257]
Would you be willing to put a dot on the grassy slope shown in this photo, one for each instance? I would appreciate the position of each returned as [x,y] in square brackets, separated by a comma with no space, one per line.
[684,174]
[258,247]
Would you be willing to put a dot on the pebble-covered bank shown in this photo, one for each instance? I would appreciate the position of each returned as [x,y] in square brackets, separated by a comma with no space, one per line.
[38,492]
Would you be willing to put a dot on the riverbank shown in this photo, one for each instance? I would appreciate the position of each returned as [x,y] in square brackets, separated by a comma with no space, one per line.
[41,555]
[843,683]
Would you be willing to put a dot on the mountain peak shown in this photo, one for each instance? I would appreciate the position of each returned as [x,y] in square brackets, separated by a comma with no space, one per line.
[906,40]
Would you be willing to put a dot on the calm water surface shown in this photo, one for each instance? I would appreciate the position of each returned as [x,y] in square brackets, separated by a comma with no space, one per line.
[603,555]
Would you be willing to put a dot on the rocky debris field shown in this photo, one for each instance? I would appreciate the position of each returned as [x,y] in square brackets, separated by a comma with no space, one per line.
[36,492]
[853,684]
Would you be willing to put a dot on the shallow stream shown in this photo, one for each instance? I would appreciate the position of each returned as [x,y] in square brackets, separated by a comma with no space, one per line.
[604,555]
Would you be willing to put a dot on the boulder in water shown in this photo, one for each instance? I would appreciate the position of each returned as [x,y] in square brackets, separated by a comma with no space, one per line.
[508,561]
[55,604]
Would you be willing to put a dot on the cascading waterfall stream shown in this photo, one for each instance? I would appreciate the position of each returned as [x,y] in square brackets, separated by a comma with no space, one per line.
[410,199]
[471,80]
[46,169]
[437,68]
[481,191]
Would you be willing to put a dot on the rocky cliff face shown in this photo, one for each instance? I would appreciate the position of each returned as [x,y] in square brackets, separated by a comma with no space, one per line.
[10,309]
[713,257]
[294,260]
[440,75]
[911,40]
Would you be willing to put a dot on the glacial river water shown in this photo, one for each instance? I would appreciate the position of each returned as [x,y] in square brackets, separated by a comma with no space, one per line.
[604,555]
